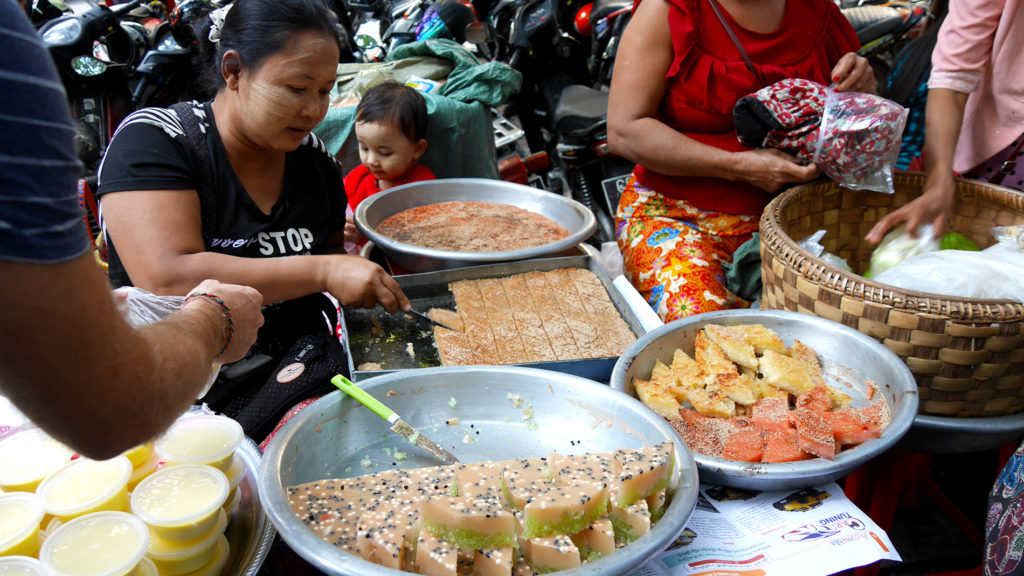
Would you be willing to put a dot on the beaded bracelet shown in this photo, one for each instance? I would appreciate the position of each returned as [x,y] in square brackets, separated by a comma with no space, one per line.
[225,311]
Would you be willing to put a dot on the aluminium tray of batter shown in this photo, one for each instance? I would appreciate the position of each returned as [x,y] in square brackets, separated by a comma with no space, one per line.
[374,336]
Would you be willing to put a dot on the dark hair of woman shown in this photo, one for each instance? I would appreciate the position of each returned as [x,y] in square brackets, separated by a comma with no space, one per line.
[395,104]
[258,29]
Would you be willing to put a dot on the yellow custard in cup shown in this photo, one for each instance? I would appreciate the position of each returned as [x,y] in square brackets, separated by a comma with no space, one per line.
[172,558]
[29,456]
[216,564]
[140,454]
[84,486]
[142,470]
[146,568]
[20,515]
[97,544]
[201,439]
[20,566]
[181,502]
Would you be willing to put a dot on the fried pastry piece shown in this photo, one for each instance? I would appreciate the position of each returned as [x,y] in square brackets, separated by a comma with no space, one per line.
[720,372]
[736,348]
[790,374]
[760,337]
[658,397]
[762,389]
[806,354]
[687,374]
[711,402]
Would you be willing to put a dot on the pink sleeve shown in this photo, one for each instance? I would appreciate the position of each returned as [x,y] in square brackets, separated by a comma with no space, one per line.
[964,47]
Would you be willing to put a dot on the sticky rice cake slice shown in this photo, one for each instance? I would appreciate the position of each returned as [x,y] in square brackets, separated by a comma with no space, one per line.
[535,341]
[470,303]
[469,522]
[387,529]
[435,556]
[564,510]
[331,511]
[524,479]
[615,333]
[595,541]
[588,340]
[506,336]
[479,480]
[629,522]
[641,472]
[562,341]
[551,553]
[493,561]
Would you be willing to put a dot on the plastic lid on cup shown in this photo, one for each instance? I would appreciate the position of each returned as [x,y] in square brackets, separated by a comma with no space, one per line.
[146,568]
[180,495]
[20,566]
[97,544]
[200,439]
[84,485]
[29,456]
[236,472]
[20,515]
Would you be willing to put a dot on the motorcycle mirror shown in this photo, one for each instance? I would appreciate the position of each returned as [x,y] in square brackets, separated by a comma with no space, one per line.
[88,66]
[366,42]
[477,33]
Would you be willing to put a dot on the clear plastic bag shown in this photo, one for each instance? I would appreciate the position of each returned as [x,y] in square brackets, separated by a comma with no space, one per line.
[898,245]
[859,140]
[1012,236]
[140,307]
[994,272]
[813,245]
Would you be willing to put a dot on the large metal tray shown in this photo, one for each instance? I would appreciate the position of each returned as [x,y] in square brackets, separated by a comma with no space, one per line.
[848,359]
[250,533]
[430,290]
[336,437]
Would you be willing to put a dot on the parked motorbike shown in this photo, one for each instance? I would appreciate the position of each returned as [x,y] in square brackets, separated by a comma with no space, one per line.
[885,28]
[593,174]
[608,20]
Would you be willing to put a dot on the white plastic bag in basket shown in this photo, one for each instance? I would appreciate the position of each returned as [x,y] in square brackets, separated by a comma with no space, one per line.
[994,272]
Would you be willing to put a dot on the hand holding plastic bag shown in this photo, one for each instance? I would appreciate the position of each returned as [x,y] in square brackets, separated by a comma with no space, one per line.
[140,307]
[859,140]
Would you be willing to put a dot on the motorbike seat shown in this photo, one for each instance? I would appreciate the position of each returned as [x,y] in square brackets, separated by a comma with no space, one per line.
[602,8]
[580,109]
[872,22]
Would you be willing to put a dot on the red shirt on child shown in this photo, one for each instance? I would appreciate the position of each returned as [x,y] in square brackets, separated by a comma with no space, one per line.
[360,184]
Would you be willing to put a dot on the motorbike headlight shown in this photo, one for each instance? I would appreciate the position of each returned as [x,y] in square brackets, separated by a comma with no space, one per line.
[62,32]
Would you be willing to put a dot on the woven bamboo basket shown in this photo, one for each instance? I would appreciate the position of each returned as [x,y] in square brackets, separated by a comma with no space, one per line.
[966,354]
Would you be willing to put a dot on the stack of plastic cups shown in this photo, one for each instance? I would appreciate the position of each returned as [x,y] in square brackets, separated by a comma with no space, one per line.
[183,507]
[236,473]
[97,544]
[144,461]
[20,516]
[201,439]
[20,566]
[84,486]
[29,456]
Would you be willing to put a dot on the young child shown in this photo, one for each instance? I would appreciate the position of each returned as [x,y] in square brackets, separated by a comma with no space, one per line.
[391,127]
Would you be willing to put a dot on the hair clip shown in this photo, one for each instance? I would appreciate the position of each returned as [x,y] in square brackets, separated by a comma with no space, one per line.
[217,22]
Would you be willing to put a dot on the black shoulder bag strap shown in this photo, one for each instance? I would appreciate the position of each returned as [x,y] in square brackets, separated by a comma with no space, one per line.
[736,41]
[207,194]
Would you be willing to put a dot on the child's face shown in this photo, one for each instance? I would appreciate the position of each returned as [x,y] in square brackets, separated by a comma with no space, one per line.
[386,151]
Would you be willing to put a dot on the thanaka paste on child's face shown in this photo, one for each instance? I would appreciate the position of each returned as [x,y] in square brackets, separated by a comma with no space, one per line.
[387,152]
[283,99]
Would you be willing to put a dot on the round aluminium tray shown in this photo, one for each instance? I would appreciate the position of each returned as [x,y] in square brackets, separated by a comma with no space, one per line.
[249,533]
[570,214]
[848,358]
[949,435]
[337,437]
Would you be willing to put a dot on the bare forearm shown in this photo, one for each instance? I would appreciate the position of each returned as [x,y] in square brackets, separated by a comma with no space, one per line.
[655,145]
[76,368]
[278,279]
[943,118]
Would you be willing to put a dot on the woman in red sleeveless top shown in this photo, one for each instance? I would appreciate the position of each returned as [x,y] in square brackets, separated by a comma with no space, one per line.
[697,193]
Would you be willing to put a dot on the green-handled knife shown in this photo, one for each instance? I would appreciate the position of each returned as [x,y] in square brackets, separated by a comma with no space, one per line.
[398,426]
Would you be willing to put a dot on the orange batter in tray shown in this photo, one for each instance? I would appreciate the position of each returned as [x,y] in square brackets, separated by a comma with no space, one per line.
[563,314]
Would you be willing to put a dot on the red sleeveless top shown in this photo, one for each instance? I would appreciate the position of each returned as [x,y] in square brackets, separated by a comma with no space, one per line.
[708,75]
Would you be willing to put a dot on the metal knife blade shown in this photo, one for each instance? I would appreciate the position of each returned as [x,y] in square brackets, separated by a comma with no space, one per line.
[403,429]
[428,318]
[398,426]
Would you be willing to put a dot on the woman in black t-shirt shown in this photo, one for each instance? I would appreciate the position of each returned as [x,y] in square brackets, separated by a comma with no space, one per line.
[279,195]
